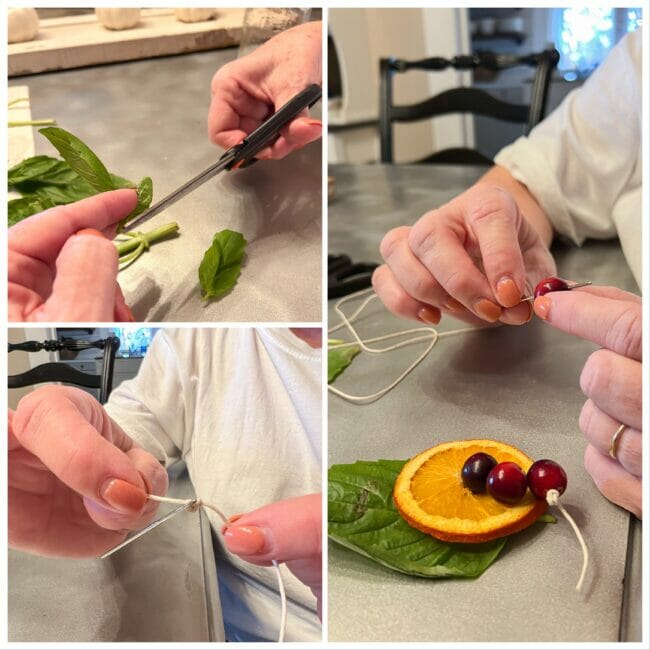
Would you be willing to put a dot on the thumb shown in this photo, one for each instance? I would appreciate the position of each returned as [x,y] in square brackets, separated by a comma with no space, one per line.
[84,286]
[282,531]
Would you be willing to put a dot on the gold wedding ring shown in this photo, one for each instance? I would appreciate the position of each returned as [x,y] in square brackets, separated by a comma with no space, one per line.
[614,442]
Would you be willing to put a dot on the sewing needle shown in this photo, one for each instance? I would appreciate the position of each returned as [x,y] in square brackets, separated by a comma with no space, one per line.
[151,526]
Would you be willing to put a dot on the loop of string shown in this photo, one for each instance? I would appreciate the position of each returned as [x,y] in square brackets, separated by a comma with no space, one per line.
[418,335]
[193,505]
[553,499]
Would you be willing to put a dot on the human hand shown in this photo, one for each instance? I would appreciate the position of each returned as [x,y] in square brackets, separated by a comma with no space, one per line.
[473,258]
[612,381]
[286,531]
[62,268]
[247,91]
[77,482]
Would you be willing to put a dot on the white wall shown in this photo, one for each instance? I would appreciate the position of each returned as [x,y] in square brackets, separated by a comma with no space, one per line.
[362,37]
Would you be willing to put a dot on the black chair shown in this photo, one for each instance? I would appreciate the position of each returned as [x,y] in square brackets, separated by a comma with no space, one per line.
[58,371]
[463,100]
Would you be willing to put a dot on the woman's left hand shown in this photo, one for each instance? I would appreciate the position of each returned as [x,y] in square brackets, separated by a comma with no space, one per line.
[287,531]
[612,381]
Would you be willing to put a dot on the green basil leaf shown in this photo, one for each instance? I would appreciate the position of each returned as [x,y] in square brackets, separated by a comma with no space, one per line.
[363,518]
[547,518]
[221,264]
[145,195]
[42,169]
[80,157]
[26,206]
[339,359]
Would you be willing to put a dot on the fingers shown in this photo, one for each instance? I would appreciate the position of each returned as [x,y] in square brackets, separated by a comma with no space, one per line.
[156,482]
[123,313]
[283,531]
[398,301]
[493,216]
[298,133]
[599,428]
[613,481]
[84,288]
[614,383]
[42,236]
[439,245]
[76,440]
[612,323]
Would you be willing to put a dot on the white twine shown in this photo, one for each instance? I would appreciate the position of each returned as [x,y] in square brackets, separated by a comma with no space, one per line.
[195,504]
[553,499]
[421,334]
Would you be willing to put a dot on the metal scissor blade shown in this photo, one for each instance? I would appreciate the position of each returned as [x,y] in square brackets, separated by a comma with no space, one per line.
[183,190]
[151,526]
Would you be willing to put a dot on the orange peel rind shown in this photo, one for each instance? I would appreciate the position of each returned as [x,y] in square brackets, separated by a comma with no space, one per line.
[429,494]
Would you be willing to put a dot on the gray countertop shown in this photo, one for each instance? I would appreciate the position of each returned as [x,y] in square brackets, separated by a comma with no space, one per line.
[148,118]
[162,587]
[515,384]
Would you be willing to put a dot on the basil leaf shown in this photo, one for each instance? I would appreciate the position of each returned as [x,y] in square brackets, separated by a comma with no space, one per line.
[42,169]
[547,518]
[339,359]
[80,158]
[363,518]
[221,264]
[26,206]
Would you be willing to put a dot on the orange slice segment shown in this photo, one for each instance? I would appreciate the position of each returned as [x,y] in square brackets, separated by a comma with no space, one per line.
[429,493]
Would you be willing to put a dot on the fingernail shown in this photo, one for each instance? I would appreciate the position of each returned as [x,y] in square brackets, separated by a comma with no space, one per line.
[231,520]
[429,315]
[123,496]
[543,307]
[507,292]
[90,231]
[245,540]
[453,305]
[312,122]
[487,310]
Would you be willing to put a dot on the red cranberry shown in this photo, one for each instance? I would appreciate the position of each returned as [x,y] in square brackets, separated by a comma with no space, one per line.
[545,475]
[550,284]
[475,471]
[507,483]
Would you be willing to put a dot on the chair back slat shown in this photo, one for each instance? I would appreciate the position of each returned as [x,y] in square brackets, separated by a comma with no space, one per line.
[461,100]
[53,371]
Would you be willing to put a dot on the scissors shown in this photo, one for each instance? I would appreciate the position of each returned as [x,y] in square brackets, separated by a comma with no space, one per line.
[242,154]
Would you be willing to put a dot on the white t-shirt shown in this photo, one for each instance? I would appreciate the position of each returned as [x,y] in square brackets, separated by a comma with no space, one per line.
[583,162]
[242,407]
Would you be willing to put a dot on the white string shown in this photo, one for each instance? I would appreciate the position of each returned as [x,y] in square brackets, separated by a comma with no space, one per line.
[199,503]
[422,334]
[553,499]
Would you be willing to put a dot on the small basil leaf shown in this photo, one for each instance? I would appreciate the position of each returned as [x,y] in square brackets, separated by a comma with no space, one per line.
[26,206]
[547,518]
[363,518]
[339,359]
[221,264]
[80,157]
[145,195]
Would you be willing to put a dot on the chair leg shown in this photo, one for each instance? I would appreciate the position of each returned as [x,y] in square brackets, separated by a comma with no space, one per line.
[385,103]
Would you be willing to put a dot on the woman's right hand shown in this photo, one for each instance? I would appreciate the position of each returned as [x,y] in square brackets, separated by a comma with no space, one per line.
[474,258]
[77,482]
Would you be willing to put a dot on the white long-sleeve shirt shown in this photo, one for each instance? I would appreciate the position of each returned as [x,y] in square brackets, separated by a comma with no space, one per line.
[583,162]
[242,407]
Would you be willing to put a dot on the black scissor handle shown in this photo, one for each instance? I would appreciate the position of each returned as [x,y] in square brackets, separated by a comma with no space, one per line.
[268,131]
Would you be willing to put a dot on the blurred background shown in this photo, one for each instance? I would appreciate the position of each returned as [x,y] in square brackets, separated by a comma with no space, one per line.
[358,38]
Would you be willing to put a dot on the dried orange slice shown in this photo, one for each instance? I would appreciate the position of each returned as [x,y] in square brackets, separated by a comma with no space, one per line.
[429,493]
